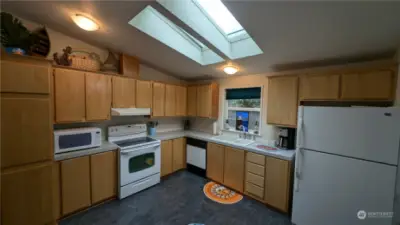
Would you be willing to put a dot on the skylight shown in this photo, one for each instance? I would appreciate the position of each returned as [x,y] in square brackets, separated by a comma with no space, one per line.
[220,15]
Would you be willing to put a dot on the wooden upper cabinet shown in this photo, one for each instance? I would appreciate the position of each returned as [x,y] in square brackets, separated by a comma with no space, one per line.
[277,183]
[129,66]
[158,99]
[26,130]
[181,101]
[75,184]
[103,176]
[24,78]
[166,157]
[282,100]
[27,195]
[98,96]
[207,100]
[170,100]
[234,168]
[319,87]
[178,154]
[192,101]
[215,162]
[144,95]
[378,85]
[123,92]
[69,91]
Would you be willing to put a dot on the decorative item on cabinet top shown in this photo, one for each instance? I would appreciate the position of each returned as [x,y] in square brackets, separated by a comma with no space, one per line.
[78,59]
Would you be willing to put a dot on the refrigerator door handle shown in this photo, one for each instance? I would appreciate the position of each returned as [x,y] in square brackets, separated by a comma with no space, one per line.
[298,150]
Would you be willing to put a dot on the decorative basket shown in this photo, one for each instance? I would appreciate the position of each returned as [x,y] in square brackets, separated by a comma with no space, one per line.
[84,63]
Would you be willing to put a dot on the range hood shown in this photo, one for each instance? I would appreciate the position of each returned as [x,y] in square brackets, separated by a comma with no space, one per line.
[130,111]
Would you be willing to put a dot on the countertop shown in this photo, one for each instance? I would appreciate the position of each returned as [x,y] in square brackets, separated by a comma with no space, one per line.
[104,147]
[279,153]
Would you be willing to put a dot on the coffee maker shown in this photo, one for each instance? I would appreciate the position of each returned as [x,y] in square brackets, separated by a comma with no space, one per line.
[287,137]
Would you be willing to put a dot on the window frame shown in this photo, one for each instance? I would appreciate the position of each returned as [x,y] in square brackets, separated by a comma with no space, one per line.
[225,110]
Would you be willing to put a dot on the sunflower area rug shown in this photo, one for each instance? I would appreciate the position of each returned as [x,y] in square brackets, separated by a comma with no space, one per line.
[221,194]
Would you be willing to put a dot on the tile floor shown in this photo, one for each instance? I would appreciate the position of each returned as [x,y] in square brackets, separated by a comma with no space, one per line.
[178,200]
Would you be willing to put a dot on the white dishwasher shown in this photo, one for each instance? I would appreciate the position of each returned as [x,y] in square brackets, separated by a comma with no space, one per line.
[196,156]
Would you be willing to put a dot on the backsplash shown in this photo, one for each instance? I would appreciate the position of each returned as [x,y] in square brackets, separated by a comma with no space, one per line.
[164,124]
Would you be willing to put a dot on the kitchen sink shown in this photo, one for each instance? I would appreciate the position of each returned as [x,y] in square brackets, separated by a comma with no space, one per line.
[233,140]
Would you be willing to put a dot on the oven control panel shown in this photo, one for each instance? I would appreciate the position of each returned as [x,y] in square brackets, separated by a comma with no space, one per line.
[123,130]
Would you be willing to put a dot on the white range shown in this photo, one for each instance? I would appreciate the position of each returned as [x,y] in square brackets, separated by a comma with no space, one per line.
[139,158]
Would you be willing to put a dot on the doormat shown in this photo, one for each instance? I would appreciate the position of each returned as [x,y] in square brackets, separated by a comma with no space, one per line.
[221,194]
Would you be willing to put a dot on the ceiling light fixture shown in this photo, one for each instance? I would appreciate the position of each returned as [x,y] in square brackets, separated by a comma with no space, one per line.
[85,23]
[230,70]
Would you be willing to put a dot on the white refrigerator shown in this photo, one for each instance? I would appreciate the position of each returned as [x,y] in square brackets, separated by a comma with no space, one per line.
[346,164]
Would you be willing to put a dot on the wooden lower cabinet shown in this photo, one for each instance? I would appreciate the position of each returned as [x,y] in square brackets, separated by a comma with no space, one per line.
[234,168]
[103,171]
[178,154]
[56,191]
[166,157]
[215,162]
[277,183]
[27,195]
[75,184]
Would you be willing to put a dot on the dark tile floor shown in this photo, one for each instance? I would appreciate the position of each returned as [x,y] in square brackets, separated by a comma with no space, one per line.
[178,200]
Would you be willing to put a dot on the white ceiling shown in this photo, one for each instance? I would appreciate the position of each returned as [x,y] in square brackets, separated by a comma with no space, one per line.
[291,34]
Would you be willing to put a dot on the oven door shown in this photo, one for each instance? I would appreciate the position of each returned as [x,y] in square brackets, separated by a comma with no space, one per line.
[139,163]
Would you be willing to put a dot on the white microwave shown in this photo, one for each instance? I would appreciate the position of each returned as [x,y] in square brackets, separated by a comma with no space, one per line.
[76,139]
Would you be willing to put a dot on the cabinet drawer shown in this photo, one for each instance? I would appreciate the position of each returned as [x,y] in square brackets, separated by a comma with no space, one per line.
[255,179]
[254,190]
[256,158]
[256,169]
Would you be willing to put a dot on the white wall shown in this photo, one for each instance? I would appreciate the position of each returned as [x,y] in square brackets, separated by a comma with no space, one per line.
[148,73]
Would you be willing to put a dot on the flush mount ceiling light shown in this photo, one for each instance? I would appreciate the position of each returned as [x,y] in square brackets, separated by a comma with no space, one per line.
[230,70]
[85,23]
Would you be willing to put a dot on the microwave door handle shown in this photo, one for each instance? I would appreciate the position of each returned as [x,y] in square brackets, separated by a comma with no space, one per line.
[138,149]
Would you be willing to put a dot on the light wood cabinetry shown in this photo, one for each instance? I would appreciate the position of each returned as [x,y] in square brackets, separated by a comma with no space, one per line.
[166,157]
[207,100]
[69,94]
[75,184]
[144,95]
[158,99]
[103,171]
[234,168]
[255,175]
[56,191]
[181,101]
[192,101]
[129,66]
[123,92]
[27,195]
[378,85]
[178,154]
[170,100]
[277,183]
[17,77]
[319,87]
[98,96]
[215,162]
[282,100]
[26,130]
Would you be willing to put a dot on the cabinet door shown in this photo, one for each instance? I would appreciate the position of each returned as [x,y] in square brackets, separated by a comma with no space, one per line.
[158,99]
[103,175]
[98,96]
[26,130]
[56,191]
[178,154]
[204,101]
[129,66]
[192,101]
[282,101]
[319,87]
[215,162]
[26,196]
[75,184]
[234,168]
[69,91]
[166,157]
[277,181]
[181,100]
[368,86]
[24,78]
[170,100]
[123,92]
[144,94]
